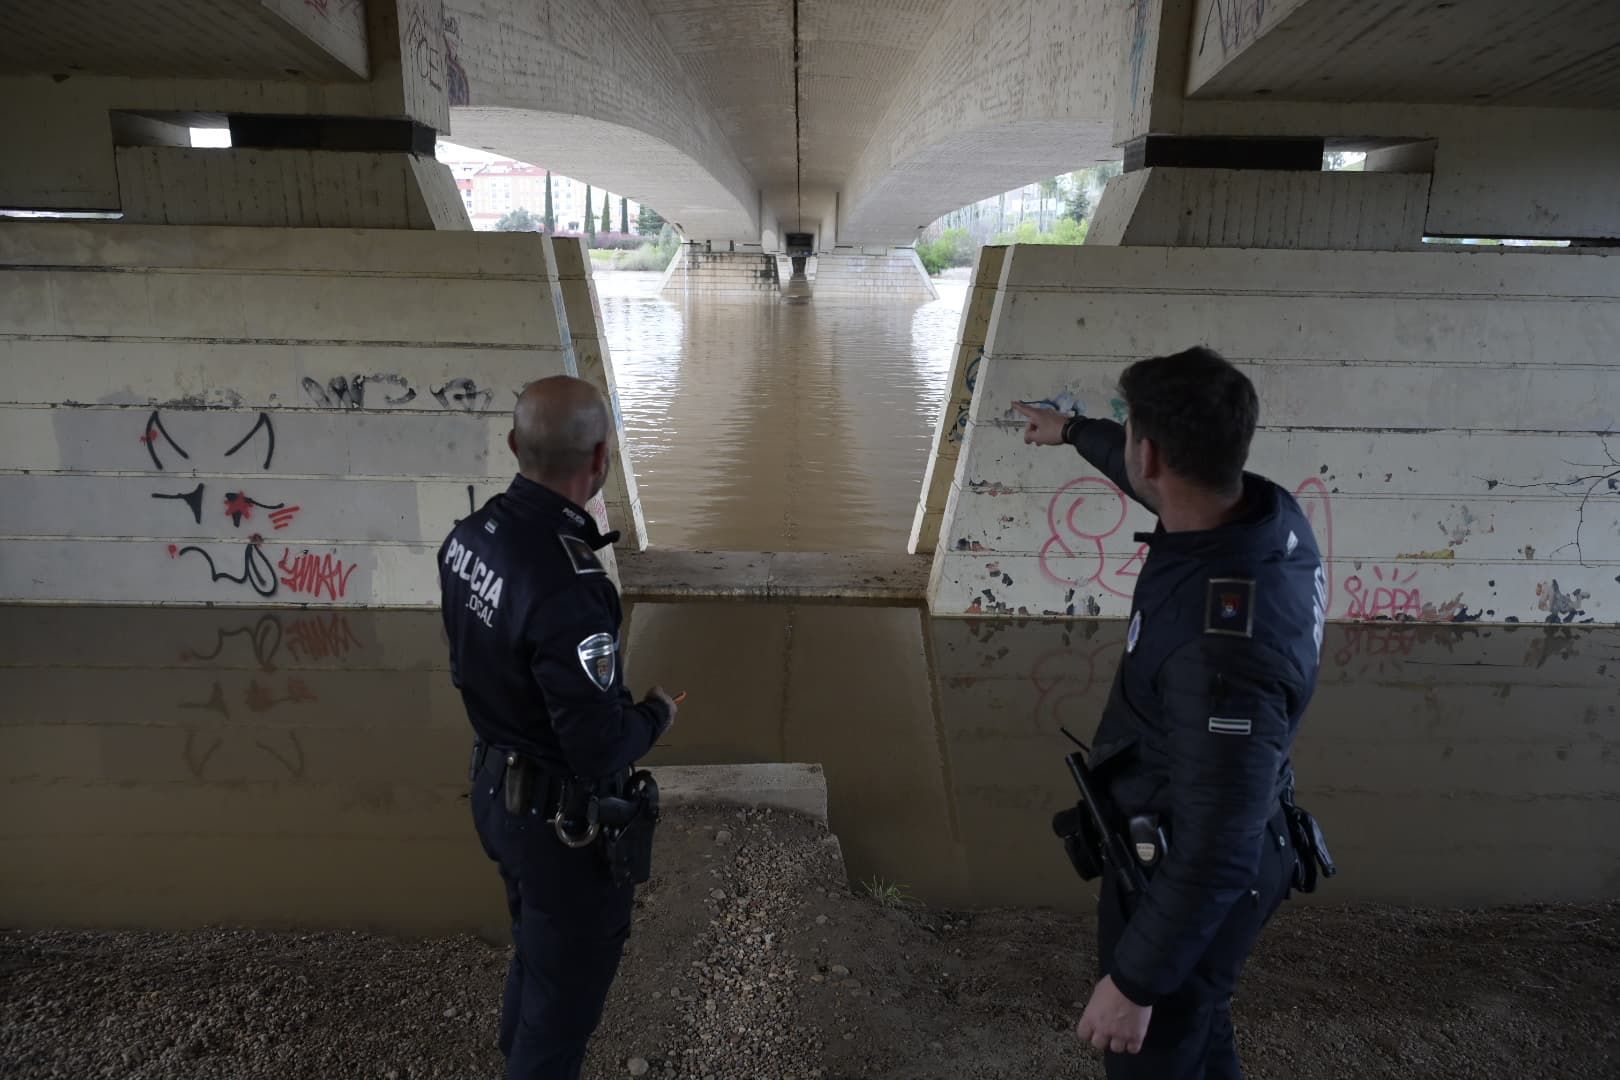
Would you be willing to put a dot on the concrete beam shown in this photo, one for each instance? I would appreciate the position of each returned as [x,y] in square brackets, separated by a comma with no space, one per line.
[1214,208]
[595,92]
[160,185]
[1004,93]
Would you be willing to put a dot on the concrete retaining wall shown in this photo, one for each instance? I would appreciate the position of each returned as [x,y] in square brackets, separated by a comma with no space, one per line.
[1426,407]
[257,416]
[894,275]
[720,273]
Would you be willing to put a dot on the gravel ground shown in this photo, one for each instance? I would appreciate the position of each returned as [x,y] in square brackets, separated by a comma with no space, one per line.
[757,960]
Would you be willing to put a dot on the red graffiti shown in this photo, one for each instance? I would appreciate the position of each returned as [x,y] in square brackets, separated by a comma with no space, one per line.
[320,6]
[1375,642]
[313,574]
[261,699]
[1393,597]
[1065,681]
[320,637]
[238,506]
[283,517]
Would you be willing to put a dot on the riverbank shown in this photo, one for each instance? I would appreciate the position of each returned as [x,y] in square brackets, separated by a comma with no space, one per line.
[757,960]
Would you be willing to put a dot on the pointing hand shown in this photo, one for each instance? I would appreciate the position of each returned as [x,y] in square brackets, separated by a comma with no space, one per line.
[1045,425]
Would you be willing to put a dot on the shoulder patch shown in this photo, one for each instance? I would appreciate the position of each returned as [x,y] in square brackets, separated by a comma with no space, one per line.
[581,555]
[599,656]
[1230,607]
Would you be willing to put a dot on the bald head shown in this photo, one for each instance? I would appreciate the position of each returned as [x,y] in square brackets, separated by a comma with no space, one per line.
[560,431]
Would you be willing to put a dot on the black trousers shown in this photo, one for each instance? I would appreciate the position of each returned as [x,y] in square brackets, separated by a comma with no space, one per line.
[569,925]
[1190,1036]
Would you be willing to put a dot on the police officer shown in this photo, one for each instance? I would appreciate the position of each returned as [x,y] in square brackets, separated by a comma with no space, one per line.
[1220,662]
[533,623]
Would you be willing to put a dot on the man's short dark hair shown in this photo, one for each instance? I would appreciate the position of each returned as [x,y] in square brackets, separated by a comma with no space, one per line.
[1200,412]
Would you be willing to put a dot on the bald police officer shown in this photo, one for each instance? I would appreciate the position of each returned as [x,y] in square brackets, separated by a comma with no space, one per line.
[1220,662]
[533,623]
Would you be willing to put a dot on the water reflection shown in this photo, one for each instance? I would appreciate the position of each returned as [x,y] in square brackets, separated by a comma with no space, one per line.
[762,426]
[178,767]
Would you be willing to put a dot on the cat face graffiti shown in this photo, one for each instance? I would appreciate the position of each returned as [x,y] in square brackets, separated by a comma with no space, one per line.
[317,576]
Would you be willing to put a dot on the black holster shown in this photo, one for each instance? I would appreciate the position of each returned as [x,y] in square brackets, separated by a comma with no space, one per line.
[628,820]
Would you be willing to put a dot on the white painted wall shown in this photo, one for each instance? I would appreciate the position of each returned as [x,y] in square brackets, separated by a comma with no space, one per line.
[360,380]
[1425,405]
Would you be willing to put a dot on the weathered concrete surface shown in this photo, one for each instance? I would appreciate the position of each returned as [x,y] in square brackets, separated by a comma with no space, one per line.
[897,275]
[1376,75]
[660,574]
[952,424]
[1003,93]
[596,91]
[258,416]
[1497,52]
[694,272]
[1333,211]
[165,185]
[799,788]
[224,39]
[1425,407]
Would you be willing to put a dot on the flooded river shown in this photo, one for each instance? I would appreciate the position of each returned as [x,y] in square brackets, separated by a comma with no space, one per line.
[180,767]
[758,426]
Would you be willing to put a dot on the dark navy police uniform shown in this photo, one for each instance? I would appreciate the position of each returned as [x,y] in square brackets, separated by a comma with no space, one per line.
[533,623]
[1221,660]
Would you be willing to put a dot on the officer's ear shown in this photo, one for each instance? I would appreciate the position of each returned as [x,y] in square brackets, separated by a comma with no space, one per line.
[511,441]
[1148,457]
[599,459]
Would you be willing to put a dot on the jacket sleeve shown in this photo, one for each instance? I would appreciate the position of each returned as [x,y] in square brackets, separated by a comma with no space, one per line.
[444,617]
[1227,709]
[1102,442]
[600,727]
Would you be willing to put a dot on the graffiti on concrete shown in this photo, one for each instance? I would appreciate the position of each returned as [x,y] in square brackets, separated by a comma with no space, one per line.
[318,576]
[391,390]
[257,573]
[311,575]
[957,429]
[1231,25]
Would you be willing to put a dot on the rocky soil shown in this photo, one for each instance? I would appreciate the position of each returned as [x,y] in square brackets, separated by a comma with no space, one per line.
[753,958]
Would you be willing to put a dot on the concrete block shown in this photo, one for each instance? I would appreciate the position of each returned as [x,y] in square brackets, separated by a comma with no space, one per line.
[1213,208]
[196,415]
[1398,405]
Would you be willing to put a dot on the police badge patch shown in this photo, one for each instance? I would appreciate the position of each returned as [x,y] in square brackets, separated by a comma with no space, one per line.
[599,656]
[1230,607]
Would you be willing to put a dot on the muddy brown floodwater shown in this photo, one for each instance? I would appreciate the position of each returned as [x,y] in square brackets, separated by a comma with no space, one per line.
[778,427]
[304,768]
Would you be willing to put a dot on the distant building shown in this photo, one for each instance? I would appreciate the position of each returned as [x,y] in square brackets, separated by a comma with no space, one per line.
[492,189]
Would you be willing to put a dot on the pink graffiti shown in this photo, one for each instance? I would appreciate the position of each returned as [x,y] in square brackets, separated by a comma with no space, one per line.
[1084,514]
[312,574]
[1393,597]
